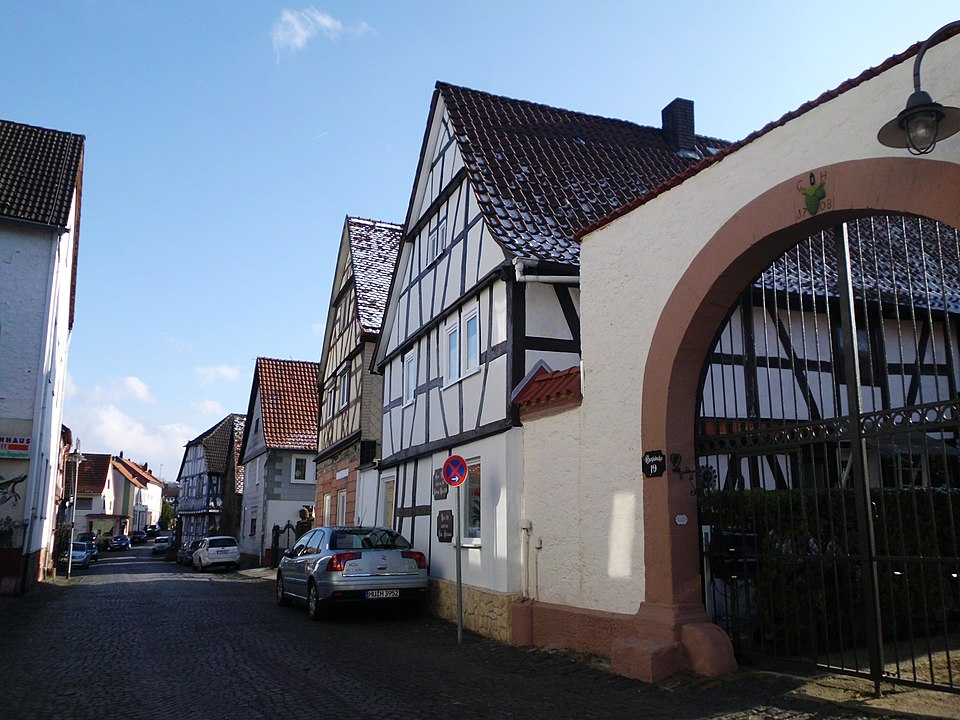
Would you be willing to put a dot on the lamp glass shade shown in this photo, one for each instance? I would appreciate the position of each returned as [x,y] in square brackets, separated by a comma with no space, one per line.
[921,127]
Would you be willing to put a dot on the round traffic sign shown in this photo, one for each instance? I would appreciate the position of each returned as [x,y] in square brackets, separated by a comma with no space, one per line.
[454,470]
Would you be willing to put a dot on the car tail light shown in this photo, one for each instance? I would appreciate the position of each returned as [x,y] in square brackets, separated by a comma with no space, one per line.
[336,563]
[418,556]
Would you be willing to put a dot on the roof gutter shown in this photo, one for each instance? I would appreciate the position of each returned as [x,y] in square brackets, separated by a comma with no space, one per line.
[520,266]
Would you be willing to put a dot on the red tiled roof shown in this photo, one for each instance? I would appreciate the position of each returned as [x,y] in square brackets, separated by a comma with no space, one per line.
[542,174]
[289,402]
[139,475]
[38,173]
[93,473]
[546,386]
[373,248]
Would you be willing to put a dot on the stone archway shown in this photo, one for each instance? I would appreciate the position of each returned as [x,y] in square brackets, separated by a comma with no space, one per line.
[747,243]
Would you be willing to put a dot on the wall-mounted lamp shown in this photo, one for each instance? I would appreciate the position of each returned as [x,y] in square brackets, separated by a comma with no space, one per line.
[923,122]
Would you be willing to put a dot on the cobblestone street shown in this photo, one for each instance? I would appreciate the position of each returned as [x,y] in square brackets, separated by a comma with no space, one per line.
[140,637]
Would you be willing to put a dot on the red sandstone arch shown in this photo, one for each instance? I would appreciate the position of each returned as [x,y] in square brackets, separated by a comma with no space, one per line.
[746,244]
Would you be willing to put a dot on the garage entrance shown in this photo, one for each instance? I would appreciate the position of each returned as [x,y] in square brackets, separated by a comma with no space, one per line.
[828,461]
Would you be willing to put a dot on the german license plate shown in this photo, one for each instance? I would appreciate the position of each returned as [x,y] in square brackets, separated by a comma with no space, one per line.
[378,594]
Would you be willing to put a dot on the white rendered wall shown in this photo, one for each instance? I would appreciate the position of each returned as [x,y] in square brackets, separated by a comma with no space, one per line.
[621,310]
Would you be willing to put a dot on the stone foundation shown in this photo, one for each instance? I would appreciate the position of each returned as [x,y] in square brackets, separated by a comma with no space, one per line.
[485,612]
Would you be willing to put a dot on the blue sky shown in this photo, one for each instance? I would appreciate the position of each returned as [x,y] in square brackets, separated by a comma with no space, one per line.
[227,141]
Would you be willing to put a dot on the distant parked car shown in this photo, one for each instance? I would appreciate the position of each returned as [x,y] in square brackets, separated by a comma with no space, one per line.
[87,537]
[152,531]
[216,551]
[185,553]
[327,566]
[94,553]
[161,544]
[138,536]
[80,554]
[119,542]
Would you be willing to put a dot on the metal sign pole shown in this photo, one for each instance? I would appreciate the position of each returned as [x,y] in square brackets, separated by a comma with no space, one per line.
[459,576]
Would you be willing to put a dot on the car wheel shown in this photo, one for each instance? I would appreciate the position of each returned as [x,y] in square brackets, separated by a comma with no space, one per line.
[315,606]
[282,599]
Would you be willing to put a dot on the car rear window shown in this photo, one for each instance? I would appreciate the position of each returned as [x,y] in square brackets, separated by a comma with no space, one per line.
[379,538]
[222,542]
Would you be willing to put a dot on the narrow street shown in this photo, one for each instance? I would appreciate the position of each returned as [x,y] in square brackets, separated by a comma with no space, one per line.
[137,636]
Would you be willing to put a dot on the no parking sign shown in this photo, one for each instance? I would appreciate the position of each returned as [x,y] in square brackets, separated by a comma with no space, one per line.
[454,470]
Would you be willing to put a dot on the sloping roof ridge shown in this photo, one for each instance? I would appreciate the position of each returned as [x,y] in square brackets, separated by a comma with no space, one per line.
[371,221]
[31,126]
[555,108]
[803,109]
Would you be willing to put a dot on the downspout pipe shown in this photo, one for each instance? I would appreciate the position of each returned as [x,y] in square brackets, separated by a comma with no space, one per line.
[521,267]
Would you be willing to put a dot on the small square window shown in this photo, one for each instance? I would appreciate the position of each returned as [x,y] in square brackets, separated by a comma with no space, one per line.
[300,471]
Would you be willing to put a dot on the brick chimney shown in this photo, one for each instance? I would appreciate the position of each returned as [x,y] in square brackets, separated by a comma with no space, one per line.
[678,127]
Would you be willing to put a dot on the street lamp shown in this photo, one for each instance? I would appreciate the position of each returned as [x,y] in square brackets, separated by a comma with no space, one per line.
[922,122]
[76,457]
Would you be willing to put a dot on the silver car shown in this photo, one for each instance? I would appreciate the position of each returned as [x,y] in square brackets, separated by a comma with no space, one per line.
[332,565]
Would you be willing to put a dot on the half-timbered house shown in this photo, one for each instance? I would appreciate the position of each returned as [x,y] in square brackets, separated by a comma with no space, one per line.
[487,286]
[350,411]
[211,481]
[277,452]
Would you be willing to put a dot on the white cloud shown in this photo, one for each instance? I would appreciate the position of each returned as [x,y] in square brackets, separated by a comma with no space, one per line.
[137,388]
[296,28]
[230,373]
[126,388]
[107,428]
[209,407]
[318,328]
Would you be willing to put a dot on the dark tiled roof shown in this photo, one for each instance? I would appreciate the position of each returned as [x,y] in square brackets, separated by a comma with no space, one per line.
[731,148]
[542,174]
[217,442]
[38,173]
[548,386]
[894,260]
[373,247]
[289,404]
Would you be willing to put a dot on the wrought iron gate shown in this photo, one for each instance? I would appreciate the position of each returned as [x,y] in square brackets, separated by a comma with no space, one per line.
[829,461]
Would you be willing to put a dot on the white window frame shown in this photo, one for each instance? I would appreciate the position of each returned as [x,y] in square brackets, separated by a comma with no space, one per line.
[470,358]
[452,352]
[387,508]
[307,480]
[327,502]
[437,240]
[409,377]
[331,400]
[465,539]
[342,507]
[343,388]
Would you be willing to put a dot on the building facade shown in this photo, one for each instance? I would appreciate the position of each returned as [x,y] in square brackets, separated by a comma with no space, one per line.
[40,194]
[277,453]
[351,395]
[486,287]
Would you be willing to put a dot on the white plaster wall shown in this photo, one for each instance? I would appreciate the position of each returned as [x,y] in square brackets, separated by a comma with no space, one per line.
[494,563]
[552,503]
[24,278]
[621,309]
